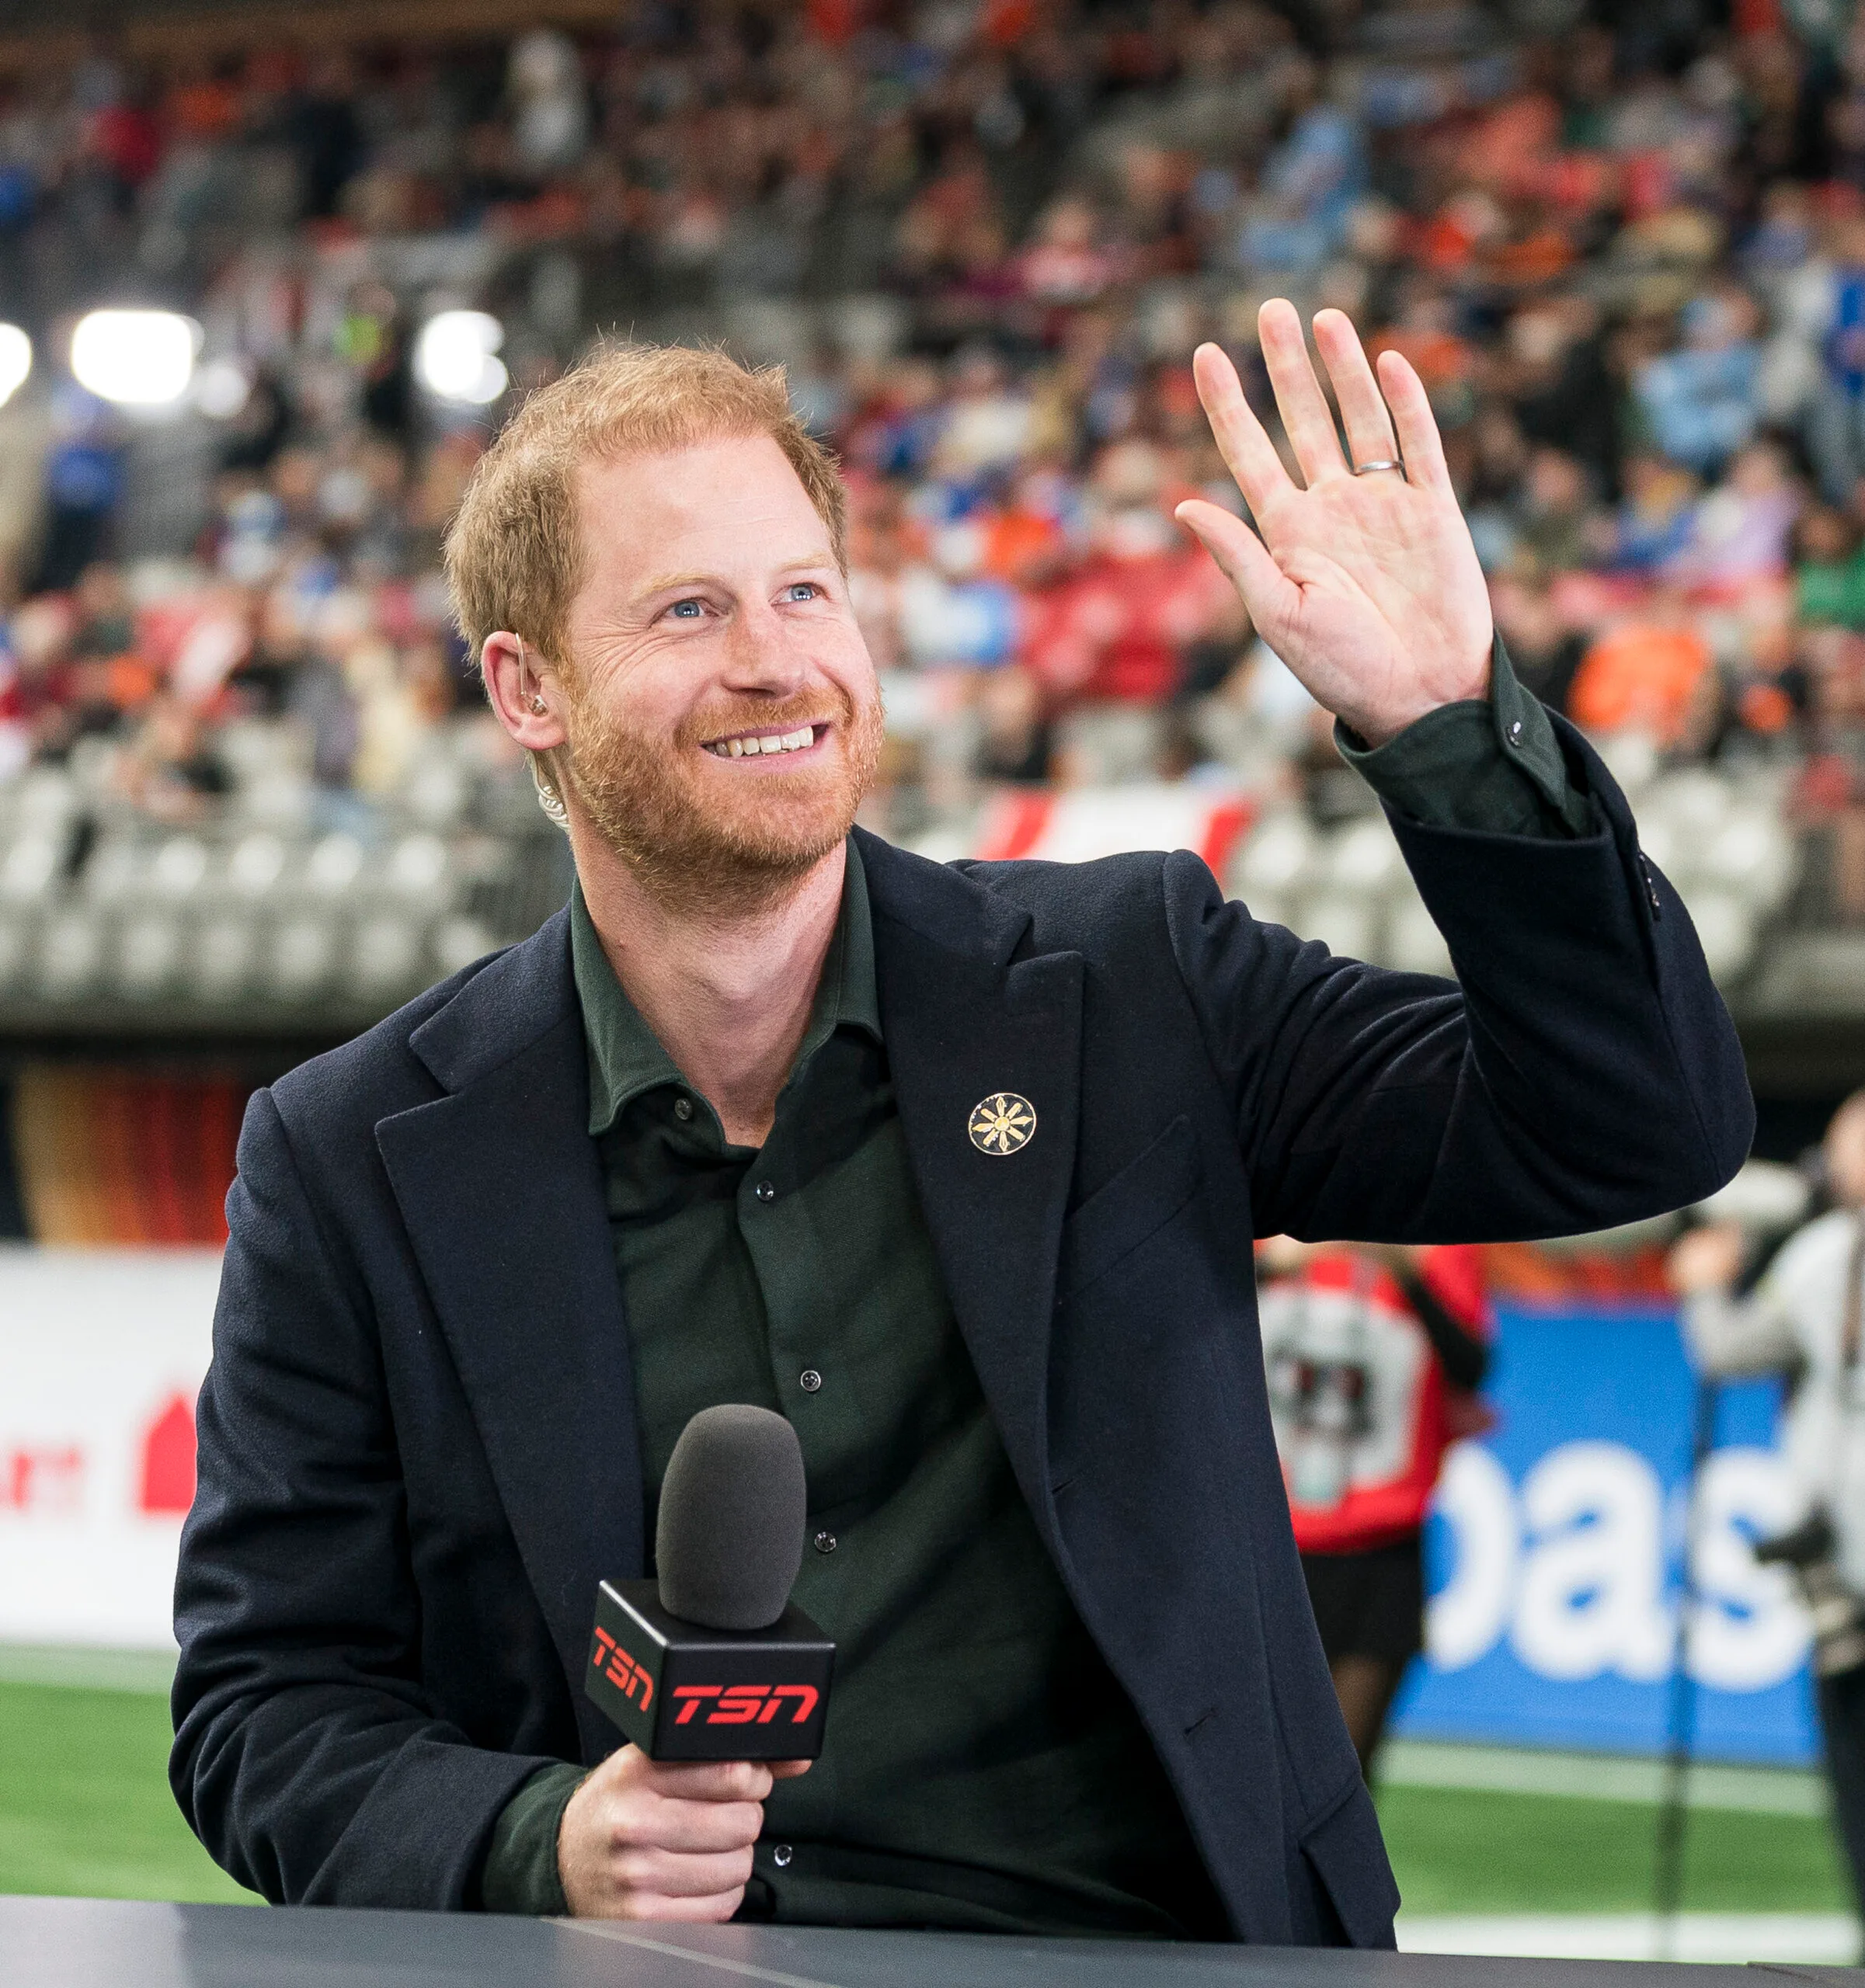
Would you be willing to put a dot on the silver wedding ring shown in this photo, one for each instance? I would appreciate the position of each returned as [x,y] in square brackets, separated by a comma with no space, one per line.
[1366,469]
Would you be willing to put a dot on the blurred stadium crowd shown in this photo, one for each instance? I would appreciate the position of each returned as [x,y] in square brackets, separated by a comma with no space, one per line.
[243,758]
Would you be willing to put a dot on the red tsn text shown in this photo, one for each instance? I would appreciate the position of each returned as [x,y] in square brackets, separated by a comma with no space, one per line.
[742,1705]
[621,1670]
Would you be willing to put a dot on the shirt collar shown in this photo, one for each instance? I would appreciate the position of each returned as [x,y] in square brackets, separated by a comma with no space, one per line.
[626,1057]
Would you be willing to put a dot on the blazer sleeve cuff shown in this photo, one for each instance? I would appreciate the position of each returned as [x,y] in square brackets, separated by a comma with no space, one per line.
[1492,765]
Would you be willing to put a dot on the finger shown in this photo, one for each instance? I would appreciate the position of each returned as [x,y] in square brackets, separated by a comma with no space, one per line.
[1418,440]
[1243,559]
[709,1781]
[696,1826]
[666,1874]
[1369,432]
[789,1770]
[679,1911]
[1304,408]
[1248,452]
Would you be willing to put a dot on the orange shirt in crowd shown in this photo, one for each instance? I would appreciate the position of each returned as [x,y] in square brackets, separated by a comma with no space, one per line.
[1640,676]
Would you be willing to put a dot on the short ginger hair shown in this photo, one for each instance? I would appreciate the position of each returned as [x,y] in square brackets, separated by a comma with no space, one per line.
[516,553]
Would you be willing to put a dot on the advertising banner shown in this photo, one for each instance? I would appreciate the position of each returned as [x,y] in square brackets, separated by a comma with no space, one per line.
[1557,1555]
[102,1354]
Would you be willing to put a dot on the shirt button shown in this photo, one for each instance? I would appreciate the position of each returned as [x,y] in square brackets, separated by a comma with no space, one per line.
[825,1541]
[764,1191]
[1514,733]
[682,1109]
[809,1380]
[781,1854]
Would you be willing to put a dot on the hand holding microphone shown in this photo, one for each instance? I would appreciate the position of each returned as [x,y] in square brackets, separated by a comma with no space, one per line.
[721,1686]
[644,1839]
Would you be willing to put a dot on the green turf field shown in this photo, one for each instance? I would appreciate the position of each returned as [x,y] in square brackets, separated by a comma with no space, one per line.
[1455,1850]
[85,1808]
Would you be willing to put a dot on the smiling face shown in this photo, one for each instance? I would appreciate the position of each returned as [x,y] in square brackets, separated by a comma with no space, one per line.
[724,719]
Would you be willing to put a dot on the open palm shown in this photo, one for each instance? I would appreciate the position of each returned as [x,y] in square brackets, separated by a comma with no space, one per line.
[1367,586]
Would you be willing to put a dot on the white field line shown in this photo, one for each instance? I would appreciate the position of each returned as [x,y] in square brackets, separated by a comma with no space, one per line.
[1828,1939]
[89,1669]
[1598,1777]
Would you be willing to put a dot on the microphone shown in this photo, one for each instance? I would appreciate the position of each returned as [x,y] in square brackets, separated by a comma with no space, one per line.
[712,1661]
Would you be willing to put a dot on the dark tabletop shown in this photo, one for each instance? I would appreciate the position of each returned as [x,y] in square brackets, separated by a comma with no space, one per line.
[90,1943]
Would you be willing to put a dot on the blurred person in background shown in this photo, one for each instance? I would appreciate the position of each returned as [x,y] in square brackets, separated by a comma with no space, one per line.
[1805,1318]
[1375,1354]
[1701,401]
[1643,675]
[1829,568]
[1016,743]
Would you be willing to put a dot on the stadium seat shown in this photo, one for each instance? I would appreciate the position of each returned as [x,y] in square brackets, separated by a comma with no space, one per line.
[254,864]
[1274,863]
[218,966]
[31,867]
[147,955]
[1755,857]
[333,865]
[301,957]
[71,953]
[457,942]
[384,957]
[178,867]
[1725,926]
[1412,943]
[1346,922]
[416,870]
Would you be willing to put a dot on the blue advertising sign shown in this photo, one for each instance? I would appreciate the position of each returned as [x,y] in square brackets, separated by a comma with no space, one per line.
[1557,1556]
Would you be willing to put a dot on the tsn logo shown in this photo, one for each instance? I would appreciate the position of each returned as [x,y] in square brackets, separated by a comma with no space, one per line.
[742,1705]
[621,1670]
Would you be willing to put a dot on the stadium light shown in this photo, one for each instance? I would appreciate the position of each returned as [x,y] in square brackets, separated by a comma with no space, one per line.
[15,361]
[456,357]
[135,358]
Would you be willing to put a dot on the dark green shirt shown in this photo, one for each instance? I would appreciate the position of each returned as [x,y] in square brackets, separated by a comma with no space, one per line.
[971,1711]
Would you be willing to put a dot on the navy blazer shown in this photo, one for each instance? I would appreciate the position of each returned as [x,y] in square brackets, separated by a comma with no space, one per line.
[417,1444]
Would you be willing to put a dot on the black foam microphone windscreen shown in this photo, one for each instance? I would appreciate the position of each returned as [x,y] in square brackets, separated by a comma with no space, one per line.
[733,1506]
[714,1662]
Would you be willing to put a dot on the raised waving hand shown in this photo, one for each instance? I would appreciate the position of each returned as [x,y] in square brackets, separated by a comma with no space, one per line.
[1367,586]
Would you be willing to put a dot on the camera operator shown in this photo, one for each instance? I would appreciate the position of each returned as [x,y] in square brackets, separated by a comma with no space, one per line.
[1802,1317]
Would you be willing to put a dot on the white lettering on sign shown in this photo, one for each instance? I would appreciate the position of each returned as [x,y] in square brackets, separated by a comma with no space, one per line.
[1467,1616]
[1592,1575]
[1749,1630]
[1570,1571]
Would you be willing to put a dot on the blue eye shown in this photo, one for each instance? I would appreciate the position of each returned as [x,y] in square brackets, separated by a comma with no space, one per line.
[687,610]
[803,590]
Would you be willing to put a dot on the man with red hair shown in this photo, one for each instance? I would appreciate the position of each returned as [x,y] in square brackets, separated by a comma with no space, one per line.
[957,1167]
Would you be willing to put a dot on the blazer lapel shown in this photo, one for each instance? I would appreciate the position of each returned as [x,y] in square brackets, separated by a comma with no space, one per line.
[964,1022]
[501,1188]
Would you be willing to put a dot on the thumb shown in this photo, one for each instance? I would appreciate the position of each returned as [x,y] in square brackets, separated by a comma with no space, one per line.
[1243,559]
